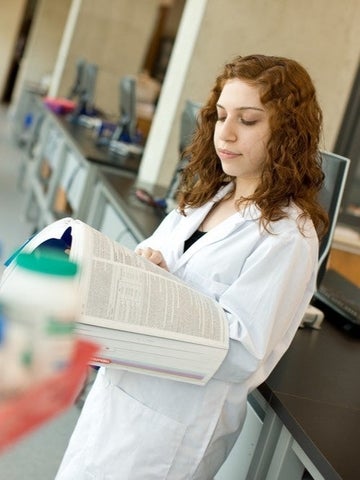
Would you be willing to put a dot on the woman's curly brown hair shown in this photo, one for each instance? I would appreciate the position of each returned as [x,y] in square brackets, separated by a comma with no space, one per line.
[292,170]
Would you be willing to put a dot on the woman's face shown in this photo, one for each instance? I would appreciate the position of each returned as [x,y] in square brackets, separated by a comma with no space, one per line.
[241,131]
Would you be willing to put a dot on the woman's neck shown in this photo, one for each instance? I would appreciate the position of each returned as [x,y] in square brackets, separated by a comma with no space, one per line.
[245,186]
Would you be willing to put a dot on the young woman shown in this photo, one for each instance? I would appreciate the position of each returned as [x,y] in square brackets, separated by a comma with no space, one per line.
[245,233]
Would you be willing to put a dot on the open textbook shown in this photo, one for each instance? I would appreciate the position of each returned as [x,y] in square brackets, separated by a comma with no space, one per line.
[144,318]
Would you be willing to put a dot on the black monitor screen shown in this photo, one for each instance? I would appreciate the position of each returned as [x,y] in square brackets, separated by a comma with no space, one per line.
[127,98]
[83,89]
[188,122]
[350,208]
[78,84]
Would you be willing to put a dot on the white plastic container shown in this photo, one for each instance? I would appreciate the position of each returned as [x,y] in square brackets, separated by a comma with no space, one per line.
[40,305]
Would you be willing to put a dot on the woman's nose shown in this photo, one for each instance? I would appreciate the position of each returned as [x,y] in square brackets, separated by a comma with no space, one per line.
[228,132]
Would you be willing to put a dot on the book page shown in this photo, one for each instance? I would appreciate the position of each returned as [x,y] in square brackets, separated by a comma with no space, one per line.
[123,290]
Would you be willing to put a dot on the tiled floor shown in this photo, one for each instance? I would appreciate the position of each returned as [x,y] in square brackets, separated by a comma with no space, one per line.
[38,455]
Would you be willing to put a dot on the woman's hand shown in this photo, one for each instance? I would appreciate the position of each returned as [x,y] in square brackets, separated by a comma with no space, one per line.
[155,256]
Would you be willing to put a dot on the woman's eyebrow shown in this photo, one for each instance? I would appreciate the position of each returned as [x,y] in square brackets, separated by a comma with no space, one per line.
[242,108]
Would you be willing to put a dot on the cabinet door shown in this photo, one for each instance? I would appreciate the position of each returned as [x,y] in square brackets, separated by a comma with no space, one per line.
[237,464]
[73,180]
[107,215]
[128,240]
[113,225]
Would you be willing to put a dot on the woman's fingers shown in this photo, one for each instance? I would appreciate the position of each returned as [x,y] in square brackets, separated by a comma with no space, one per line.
[154,256]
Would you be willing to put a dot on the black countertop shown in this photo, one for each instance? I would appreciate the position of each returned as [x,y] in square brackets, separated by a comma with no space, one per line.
[84,140]
[315,390]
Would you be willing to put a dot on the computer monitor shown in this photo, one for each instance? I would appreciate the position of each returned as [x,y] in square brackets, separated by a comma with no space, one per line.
[189,121]
[350,208]
[336,296]
[91,71]
[126,130]
[188,125]
[83,89]
[336,169]
[78,85]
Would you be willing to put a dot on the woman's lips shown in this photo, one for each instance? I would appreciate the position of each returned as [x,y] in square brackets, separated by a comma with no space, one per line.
[227,154]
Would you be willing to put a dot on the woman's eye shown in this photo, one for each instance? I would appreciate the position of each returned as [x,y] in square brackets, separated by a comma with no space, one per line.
[243,121]
[247,122]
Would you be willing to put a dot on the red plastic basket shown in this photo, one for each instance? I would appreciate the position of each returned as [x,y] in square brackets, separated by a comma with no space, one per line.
[60,105]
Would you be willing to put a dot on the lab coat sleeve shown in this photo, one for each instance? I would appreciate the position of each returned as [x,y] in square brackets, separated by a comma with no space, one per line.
[265,305]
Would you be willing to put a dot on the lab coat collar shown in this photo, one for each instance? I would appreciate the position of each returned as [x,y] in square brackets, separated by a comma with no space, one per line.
[250,212]
[194,218]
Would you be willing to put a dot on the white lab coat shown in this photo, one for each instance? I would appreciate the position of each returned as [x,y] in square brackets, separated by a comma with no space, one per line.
[137,427]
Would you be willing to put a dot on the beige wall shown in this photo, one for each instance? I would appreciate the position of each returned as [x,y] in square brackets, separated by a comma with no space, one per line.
[324,35]
[115,38]
[11,12]
[321,34]
[43,42]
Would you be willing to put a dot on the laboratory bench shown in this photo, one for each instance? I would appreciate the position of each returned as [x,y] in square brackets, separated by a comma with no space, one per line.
[61,163]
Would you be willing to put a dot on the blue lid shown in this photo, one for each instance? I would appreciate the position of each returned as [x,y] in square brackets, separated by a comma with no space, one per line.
[2,325]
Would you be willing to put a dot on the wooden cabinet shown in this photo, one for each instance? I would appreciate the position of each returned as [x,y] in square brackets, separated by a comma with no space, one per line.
[346,263]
